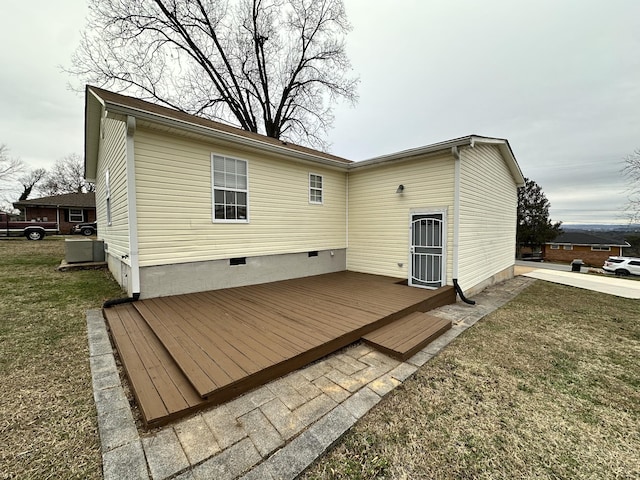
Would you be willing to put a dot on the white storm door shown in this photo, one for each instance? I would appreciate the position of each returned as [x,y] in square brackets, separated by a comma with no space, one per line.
[427,250]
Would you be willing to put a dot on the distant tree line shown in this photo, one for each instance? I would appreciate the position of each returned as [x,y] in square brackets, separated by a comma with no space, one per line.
[18,182]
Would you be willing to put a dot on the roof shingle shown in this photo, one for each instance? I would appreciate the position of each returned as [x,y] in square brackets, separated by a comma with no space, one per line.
[580,238]
[87,200]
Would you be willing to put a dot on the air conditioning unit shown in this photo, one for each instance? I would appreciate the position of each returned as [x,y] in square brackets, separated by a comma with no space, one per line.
[83,250]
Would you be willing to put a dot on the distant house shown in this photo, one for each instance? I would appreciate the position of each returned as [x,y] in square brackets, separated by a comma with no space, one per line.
[68,209]
[186,204]
[592,250]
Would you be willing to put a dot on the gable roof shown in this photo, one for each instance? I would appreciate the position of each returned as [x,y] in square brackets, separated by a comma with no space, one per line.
[82,200]
[580,238]
[454,144]
[99,102]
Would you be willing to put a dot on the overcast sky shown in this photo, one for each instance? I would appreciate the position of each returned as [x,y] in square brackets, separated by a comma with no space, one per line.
[559,79]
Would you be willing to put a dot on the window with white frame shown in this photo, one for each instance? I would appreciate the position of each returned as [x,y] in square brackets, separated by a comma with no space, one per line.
[567,247]
[555,247]
[315,188]
[600,248]
[76,215]
[107,187]
[230,189]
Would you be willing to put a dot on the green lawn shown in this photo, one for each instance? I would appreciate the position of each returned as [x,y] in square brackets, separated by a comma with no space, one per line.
[47,417]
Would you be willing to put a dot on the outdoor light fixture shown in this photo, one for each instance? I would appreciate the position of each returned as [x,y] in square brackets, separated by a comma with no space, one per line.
[400,188]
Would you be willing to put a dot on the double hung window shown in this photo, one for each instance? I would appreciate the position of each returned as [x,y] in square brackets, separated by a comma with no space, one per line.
[315,188]
[230,189]
[107,186]
[76,215]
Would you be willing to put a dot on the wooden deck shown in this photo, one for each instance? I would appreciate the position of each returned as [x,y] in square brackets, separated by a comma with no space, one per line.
[185,352]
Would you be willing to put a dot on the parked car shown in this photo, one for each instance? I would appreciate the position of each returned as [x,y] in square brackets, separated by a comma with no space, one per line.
[31,230]
[622,266]
[86,229]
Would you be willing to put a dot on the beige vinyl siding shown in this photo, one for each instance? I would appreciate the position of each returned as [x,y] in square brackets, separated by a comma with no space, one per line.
[174,204]
[379,217]
[112,156]
[488,204]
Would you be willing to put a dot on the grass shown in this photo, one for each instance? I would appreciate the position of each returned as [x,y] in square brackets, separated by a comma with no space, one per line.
[47,415]
[546,387]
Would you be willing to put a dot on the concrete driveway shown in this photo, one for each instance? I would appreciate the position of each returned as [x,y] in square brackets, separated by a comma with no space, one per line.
[562,274]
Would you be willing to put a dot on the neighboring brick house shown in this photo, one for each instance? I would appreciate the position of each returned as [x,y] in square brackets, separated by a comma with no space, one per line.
[68,209]
[592,250]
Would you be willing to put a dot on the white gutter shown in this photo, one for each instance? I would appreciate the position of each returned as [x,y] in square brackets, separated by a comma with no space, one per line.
[223,135]
[435,148]
[132,208]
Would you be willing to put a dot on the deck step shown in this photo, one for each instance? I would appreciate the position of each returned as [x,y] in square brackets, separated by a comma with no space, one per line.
[408,335]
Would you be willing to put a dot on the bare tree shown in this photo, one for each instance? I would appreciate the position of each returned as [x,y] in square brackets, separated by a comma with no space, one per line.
[10,168]
[29,181]
[270,66]
[631,171]
[66,176]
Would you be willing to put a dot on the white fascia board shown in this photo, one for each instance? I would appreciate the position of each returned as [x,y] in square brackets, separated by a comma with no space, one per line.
[220,135]
[94,107]
[413,152]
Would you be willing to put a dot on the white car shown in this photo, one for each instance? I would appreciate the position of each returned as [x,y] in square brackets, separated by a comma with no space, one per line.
[622,266]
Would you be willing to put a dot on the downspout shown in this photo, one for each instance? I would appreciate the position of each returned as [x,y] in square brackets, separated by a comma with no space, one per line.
[456,225]
[118,301]
[134,262]
[132,205]
[347,218]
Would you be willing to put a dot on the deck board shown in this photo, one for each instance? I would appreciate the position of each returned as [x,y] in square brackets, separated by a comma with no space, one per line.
[184,352]
[280,332]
